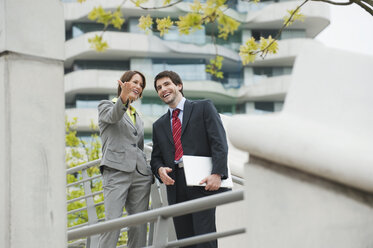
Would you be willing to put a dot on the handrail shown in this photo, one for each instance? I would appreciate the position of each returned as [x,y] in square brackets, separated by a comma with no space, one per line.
[85,196]
[204,238]
[238,180]
[83,166]
[87,165]
[83,180]
[152,215]
[158,215]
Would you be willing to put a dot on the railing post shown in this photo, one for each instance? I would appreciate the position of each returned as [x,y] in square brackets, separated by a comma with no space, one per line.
[92,241]
[156,202]
[161,233]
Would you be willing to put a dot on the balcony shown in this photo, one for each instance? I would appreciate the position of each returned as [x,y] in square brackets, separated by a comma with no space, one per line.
[288,50]
[267,89]
[317,17]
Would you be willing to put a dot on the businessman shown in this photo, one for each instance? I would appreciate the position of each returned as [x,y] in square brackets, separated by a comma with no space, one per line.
[188,128]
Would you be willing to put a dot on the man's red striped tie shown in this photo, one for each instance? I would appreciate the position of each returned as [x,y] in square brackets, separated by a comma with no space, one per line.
[176,134]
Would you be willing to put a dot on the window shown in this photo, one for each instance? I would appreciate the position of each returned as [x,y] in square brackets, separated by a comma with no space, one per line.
[193,69]
[272,71]
[153,106]
[88,101]
[293,33]
[81,28]
[265,106]
[233,41]
[121,65]
[264,33]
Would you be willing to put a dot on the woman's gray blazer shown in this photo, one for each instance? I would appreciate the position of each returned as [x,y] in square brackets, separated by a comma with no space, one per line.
[122,141]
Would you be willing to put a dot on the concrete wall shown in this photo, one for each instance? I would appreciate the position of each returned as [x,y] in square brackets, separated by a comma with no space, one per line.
[32,179]
[288,208]
[230,217]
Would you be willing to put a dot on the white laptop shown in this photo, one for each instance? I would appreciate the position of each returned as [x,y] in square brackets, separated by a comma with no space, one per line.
[196,168]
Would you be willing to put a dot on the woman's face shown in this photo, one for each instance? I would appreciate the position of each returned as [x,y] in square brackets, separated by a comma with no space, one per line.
[136,84]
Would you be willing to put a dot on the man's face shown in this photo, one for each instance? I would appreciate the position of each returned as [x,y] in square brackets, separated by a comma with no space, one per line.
[168,91]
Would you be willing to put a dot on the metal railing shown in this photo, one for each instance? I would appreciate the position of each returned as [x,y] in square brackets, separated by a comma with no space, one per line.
[157,218]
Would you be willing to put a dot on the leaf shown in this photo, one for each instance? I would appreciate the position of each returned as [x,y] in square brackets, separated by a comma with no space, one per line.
[189,22]
[214,68]
[248,51]
[145,23]
[164,24]
[293,16]
[272,45]
[98,44]
[140,2]
[212,10]
[196,6]
[117,19]
[99,15]
[227,26]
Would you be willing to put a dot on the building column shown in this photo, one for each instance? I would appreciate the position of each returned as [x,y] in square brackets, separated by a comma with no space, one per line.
[33,173]
[278,106]
[250,108]
[143,65]
[248,70]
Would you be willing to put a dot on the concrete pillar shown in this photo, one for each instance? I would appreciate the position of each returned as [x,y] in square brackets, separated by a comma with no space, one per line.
[32,179]
[250,107]
[248,71]
[145,66]
[278,106]
[249,77]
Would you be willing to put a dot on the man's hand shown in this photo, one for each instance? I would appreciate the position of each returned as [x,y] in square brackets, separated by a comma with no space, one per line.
[212,182]
[163,174]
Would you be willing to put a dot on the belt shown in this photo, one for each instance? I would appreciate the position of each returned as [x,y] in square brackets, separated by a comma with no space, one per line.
[179,165]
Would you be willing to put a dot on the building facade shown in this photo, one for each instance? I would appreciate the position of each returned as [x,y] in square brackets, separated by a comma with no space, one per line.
[256,88]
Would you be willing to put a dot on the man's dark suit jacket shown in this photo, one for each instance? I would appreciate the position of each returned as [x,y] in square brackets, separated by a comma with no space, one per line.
[202,134]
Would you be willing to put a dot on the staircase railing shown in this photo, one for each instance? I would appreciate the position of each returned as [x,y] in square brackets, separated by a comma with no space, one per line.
[157,218]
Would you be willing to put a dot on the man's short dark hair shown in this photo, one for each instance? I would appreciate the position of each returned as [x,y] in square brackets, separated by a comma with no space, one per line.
[175,78]
[127,76]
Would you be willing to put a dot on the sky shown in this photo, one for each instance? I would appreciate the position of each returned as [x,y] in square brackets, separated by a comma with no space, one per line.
[351,28]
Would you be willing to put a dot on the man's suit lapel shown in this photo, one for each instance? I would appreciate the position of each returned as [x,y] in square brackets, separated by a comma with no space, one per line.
[166,124]
[188,107]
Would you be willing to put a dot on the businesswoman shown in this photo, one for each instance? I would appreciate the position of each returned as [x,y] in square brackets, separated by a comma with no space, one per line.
[126,176]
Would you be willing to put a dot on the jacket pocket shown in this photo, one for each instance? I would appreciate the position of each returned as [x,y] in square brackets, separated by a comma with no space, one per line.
[116,157]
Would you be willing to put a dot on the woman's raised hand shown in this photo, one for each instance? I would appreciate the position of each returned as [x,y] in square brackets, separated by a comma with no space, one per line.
[125,92]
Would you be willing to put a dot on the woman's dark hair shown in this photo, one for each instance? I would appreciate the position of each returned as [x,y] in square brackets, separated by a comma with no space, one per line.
[175,78]
[127,76]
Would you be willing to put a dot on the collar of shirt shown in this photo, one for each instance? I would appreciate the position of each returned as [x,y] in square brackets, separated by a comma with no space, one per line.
[181,107]
[131,111]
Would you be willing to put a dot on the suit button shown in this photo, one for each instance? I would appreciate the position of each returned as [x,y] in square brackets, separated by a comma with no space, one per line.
[134,145]
[135,133]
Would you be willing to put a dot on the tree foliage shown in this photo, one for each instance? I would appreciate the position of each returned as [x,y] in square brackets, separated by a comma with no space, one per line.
[212,12]
[79,152]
